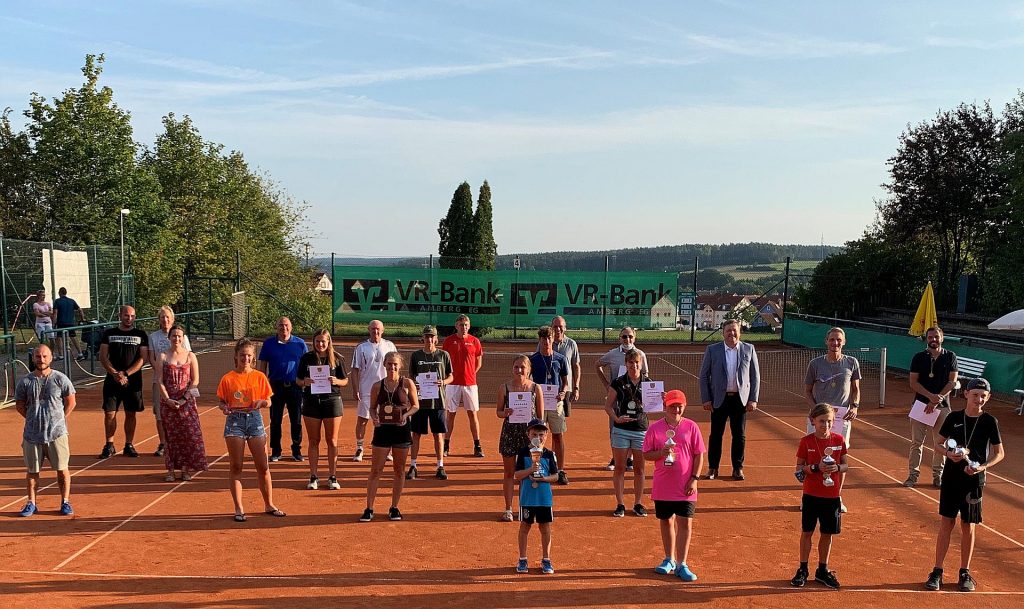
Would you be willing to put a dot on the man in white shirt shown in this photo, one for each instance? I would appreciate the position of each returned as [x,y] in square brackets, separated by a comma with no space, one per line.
[367,369]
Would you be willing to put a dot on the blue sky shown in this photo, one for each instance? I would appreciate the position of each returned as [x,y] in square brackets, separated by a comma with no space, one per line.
[597,124]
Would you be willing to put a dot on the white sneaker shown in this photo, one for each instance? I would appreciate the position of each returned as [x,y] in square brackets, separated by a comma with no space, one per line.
[359,455]
[390,458]
[313,483]
[332,483]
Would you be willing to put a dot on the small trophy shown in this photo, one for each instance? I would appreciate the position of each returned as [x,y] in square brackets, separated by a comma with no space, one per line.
[535,453]
[632,409]
[670,458]
[962,451]
[390,414]
[828,460]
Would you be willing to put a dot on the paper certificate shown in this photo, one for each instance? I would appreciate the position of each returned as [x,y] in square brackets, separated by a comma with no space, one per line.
[918,414]
[521,403]
[426,383]
[550,397]
[321,377]
[651,392]
[839,425]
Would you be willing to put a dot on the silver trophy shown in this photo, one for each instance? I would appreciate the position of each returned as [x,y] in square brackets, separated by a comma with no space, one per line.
[670,458]
[535,454]
[828,460]
[962,451]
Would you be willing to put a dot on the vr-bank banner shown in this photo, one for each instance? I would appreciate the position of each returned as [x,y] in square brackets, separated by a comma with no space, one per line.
[504,298]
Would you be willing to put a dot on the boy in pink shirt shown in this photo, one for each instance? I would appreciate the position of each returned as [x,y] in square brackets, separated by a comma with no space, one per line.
[676,447]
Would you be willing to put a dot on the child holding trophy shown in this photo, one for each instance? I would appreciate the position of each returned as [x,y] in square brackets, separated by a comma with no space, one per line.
[971,443]
[242,393]
[821,456]
[676,447]
[536,469]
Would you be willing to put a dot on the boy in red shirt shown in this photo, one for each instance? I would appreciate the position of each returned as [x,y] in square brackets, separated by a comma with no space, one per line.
[821,457]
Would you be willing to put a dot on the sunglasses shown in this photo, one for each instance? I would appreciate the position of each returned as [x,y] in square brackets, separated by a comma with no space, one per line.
[624,336]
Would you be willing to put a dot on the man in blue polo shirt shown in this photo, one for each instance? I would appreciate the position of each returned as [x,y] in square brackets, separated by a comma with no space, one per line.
[279,360]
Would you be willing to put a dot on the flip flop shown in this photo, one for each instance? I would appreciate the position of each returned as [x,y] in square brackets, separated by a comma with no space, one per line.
[276,512]
[239,517]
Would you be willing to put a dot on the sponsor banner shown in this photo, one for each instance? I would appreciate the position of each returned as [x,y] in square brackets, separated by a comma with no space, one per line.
[504,298]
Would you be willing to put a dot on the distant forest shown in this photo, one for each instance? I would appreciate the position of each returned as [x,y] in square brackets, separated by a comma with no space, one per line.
[662,258]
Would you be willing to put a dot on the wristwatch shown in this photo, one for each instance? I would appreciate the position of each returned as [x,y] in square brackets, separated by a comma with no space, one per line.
[854,405]
[814,468]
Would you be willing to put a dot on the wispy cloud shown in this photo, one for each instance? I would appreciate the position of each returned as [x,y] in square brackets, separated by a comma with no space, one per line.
[973,43]
[772,45]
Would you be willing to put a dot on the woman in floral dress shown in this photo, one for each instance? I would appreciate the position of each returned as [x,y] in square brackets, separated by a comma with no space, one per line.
[178,377]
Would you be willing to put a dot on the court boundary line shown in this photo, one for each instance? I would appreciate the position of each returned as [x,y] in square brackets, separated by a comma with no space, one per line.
[130,518]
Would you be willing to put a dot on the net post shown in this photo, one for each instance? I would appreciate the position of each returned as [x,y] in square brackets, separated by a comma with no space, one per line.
[881,376]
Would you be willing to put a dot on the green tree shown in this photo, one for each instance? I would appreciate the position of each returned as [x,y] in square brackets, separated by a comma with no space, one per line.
[457,245]
[483,231]
[20,216]
[944,186]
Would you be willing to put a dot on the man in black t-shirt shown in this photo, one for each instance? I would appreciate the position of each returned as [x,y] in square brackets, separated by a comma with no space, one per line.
[971,432]
[431,413]
[932,377]
[123,351]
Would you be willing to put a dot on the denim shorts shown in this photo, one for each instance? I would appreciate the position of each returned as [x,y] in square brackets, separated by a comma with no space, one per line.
[623,438]
[244,424]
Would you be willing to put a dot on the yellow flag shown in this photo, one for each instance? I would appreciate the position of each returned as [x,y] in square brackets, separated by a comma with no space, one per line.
[926,316]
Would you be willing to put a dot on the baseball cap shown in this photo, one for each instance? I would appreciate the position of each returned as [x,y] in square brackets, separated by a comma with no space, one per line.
[537,424]
[429,330]
[675,396]
[979,383]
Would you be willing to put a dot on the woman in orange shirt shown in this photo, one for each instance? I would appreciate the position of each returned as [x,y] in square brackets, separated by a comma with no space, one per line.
[242,393]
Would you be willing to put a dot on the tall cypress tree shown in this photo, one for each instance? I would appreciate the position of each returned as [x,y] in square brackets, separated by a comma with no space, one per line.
[486,250]
[456,246]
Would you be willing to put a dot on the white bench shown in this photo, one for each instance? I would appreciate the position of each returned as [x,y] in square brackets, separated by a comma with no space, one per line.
[968,369]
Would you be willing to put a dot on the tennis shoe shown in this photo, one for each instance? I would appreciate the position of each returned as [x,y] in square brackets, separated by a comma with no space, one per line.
[359,455]
[522,566]
[546,567]
[129,451]
[441,474]
[394,514]
[800,579]
[314,483]
[667,567]
[620,511]
[108,451]
[29,509]
[65,508]
[826,577]
[966,582]
[684,573]
[411,474]
[332,484]
[367,515]
[640,510]
[934,580]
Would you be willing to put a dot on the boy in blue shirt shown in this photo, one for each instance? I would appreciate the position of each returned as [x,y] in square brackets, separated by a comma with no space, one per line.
[536,470]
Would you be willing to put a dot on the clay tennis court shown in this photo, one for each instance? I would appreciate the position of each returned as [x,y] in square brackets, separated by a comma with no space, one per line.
[137,541]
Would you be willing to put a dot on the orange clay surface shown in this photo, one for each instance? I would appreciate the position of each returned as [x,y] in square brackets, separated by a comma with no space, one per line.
[137,541]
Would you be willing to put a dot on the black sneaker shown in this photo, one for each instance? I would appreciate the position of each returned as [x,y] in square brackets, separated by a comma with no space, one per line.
[159,452]
[629,463]
[367,515]
[108,451]
[620,511]
[394,514]
[966,583]
[800,579]
[441,475]
[81,357]
[297,455]
[934,580]
[477,451]
[826,577]
[447,445]
[275,457]
[562,478]
[129,451]
[611,465]
[640,510]
[411,474]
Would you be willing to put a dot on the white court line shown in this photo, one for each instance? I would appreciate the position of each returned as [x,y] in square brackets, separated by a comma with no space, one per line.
[915,490]
[625,579]
[87,467]
[130,518]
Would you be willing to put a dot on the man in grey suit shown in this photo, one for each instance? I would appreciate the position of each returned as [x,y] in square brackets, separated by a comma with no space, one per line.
[729,382]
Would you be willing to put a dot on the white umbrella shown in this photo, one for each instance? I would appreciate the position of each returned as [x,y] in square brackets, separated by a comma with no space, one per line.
[1010,321]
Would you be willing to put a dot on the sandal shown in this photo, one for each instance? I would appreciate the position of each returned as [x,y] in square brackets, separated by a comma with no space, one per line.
[169,477]
[276,512]
[506,516]
[240,518]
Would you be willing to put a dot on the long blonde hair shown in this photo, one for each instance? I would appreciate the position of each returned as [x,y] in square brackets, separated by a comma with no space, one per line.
[332,355]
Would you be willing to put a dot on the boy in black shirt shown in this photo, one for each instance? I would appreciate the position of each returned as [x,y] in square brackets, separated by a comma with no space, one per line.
[964,439]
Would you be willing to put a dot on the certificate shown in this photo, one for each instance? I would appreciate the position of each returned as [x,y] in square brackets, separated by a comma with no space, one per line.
[918,414]
[651,392]
[426,383]
[321,377]
[839,425]
[521,403]
[550,397]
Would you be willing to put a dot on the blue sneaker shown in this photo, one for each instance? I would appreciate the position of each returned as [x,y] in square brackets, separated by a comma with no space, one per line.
[29,509]
[65,508]
[522,566]
[686,574]
[667,567]
[546,567]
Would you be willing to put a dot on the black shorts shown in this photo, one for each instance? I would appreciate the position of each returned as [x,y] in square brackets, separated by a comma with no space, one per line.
[320,408]
[963,500]
[823,510]
[538,514]
[432,418]
[392,436]
[115,394]
[665,510]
